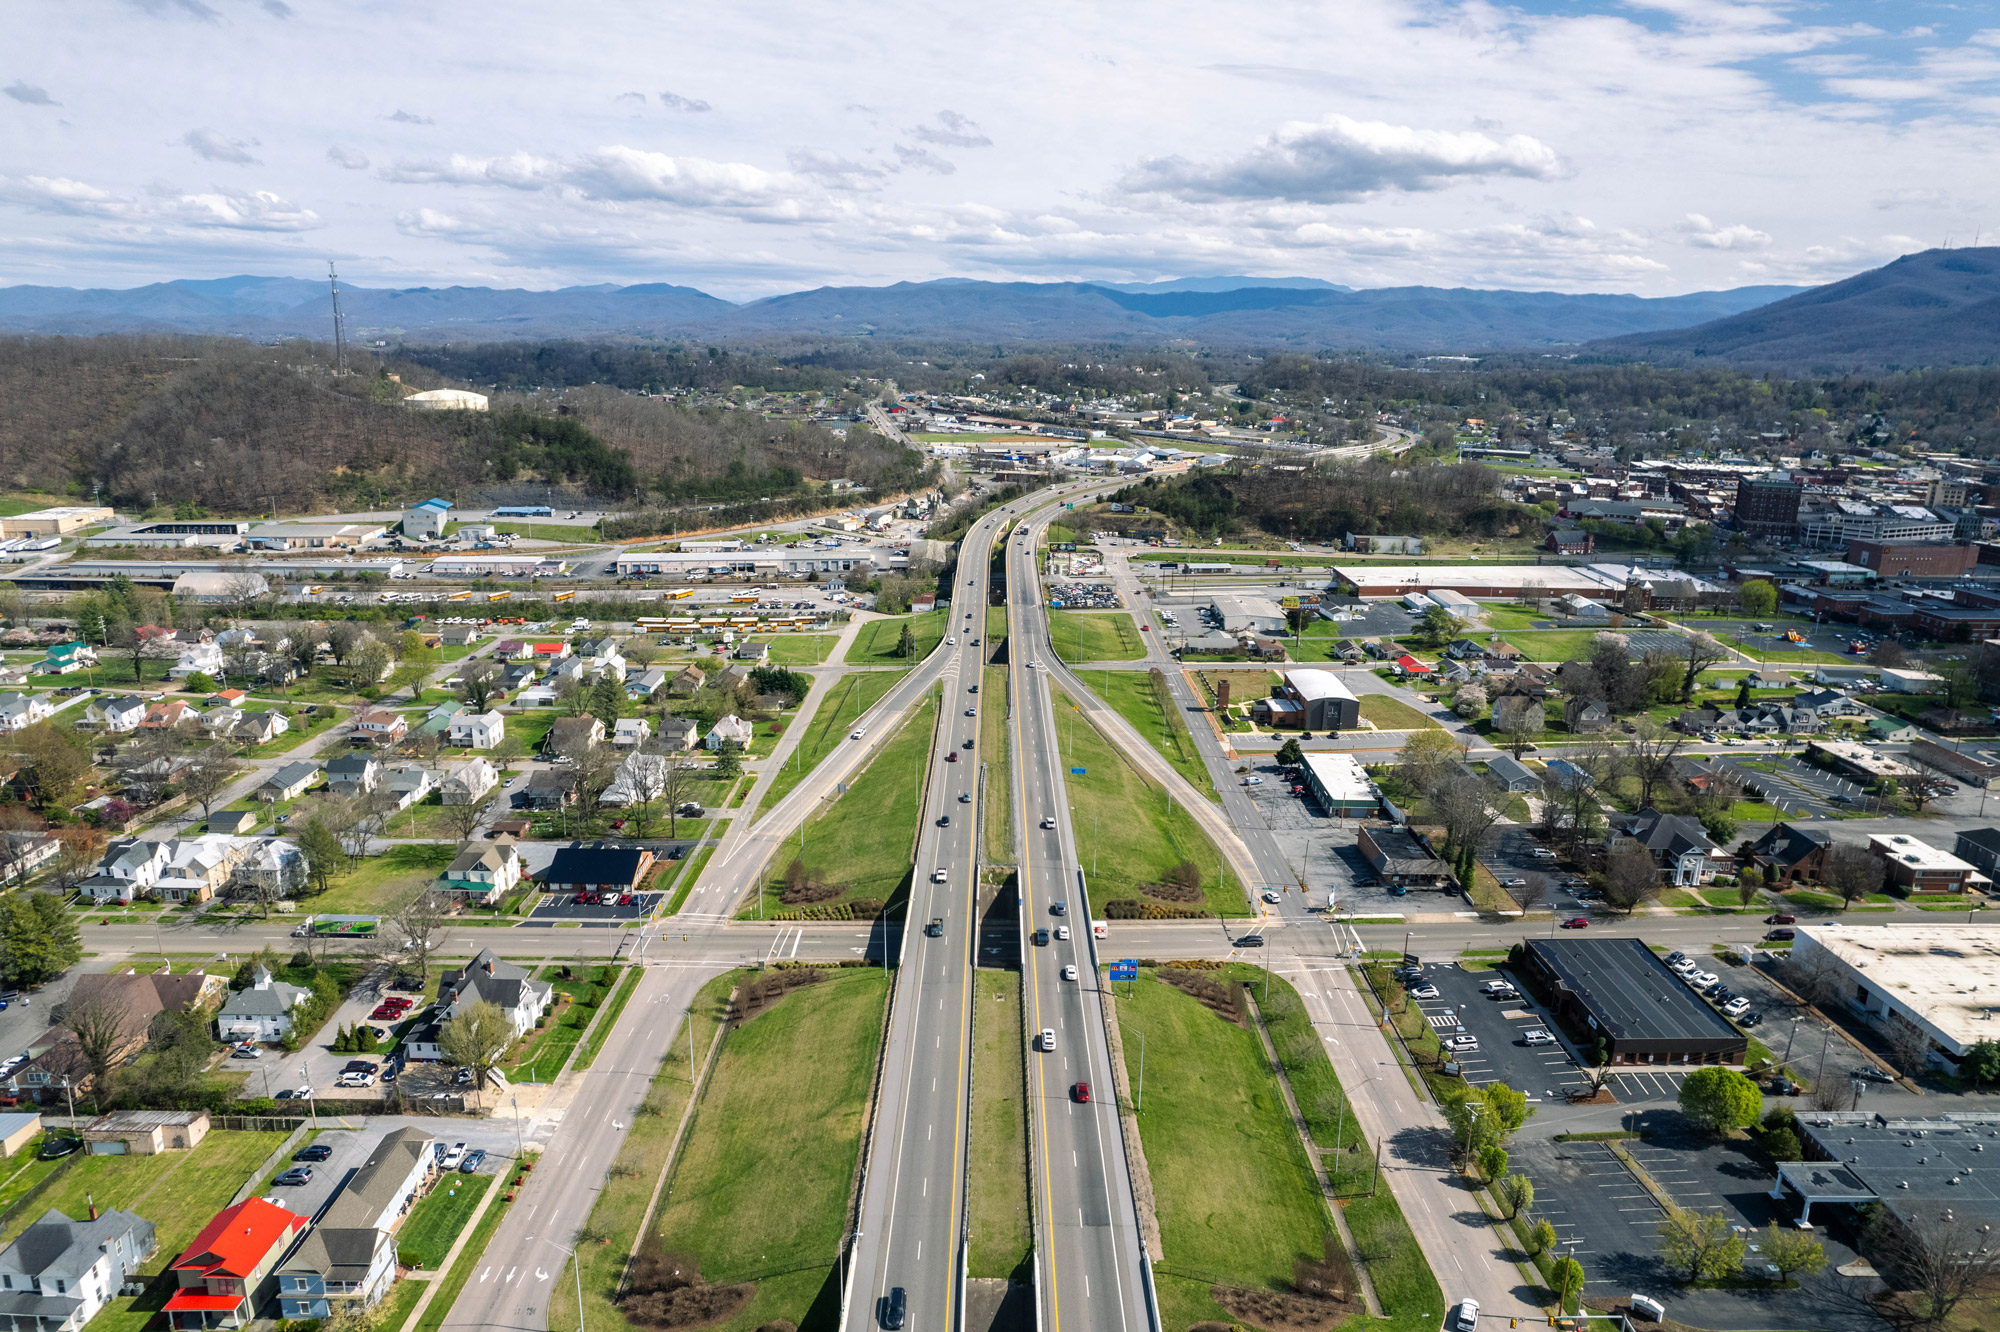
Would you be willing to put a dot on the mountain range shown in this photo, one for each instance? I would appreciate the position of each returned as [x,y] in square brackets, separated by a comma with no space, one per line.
[1936,307]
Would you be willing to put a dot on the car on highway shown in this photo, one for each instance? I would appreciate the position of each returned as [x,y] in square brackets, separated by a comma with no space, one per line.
[1781,918]
[1069,972]
[935,929]
[1271,897]
[1048,1038]
[1465,1318]
[1577,923]
[319,1151]
[951,756]
[966,745]
[1081,1092]
[973,690]
[1039,938]
[944,820]
[856,734]
[296,1175]
[1780,935]
[1058,908]
[941,875]
[965,797]
[972,712]
[1062,931]
[951,642]
[894,1309]
[1048,821]
[1424,992]
[1537,1036]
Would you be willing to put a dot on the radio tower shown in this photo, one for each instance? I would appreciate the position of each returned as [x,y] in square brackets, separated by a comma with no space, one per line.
[339,325]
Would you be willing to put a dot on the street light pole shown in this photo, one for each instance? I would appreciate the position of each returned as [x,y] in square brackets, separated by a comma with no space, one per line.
[576,1263]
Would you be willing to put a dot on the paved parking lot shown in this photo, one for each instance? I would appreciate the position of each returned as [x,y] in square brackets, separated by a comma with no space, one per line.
[1777,788]
[564,906]
[351,1147]
[317,1065]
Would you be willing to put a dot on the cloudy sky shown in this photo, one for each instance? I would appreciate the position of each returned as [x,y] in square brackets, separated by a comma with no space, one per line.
[1652,146]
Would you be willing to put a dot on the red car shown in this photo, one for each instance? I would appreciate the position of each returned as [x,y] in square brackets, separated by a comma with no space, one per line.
[624,899]
[1577,923]
[1082,1093]
[951,756]
[1781,918]
[581,898]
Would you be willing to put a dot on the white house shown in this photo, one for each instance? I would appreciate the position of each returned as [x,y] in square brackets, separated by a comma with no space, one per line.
[407,783]
[482,875]
[631,732]
[477,730]
[128,868]
[467,783]
[20,711]
[640,777]
[205,658]
[273,862]
[729,728]
[262,1012]
[59,1273]
[116,715]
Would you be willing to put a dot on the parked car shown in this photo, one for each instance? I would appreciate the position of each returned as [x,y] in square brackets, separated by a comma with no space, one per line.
[296,1175]
[1424,992]
[1499,989]
[1736,1007]
[449,1157]
[319,1151]
[246,1051]
[473,1160]
[1461,1043]
[1538,1036]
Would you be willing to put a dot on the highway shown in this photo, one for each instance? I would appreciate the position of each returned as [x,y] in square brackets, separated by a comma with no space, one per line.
[1088,1251]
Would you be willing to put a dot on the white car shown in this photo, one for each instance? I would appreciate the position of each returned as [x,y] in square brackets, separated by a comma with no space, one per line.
[1466,1317]
[951,642]
[941,876]
[856,735]
[1537,1036]
[1069,973]
[1253,781]
[1702,980]
[1062,931]
[1049,821]
[1498,989]
[1460,1043]
[1271,897]
[1424,992]
[1736,1007]
[1048,1038]
[1542,853]
[1687,966]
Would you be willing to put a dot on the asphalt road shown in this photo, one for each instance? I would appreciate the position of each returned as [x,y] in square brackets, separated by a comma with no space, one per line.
[1088,1246]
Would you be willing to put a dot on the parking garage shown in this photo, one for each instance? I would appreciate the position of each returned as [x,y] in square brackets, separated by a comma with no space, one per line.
[1617,992]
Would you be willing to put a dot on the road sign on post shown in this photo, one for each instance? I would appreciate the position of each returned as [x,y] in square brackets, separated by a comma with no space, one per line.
[1120,971]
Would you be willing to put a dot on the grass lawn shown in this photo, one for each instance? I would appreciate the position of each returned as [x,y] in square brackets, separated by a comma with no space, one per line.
[1553,644]
[1234,1193]
[875,642]
[862,840]
[435,1222]
[607,1017]
[384,882]
[301,729]
[831,723]
[1094,636]
[1133,837]
[567,534]
[1391,714]
[690,874]
[1154,714]
[996,622]
[998,809]
[429,817]
[801,649]
[744,1199]
[177,1191]
[621,1204]
[996,1200]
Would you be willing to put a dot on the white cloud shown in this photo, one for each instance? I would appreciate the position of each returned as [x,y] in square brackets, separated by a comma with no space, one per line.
[347,159]
[215,147]
[1339,159]
[676,102]
[924,160]
[621,174]
[836,172]
[403,117]
[257,210]
[29,94]
[429,222]
[58,194]
[1699,231]
[519,171]
[952,131]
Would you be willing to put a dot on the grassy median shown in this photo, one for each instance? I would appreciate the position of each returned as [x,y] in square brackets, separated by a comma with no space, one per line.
[1145,701]
[832,722]
[1080,636]
[1128,837]
[997,811]
[996,1200]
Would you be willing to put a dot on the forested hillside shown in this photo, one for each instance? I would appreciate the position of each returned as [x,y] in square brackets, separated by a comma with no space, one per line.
[1374,496]
[236,428]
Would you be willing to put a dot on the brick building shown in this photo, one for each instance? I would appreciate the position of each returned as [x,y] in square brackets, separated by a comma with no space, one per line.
[1917,559]
[1769,505]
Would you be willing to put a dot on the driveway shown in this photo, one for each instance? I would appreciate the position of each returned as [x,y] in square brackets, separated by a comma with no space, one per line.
[317,1065]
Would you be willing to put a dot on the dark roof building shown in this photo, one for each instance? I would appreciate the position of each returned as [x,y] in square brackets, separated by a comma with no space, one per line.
[1400,858]
[597,868]
[1789,853]
[1617,991]
[1981,847]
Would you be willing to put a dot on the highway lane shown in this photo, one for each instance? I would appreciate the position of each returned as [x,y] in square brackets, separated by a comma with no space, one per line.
[912,1210]
[1087,1239]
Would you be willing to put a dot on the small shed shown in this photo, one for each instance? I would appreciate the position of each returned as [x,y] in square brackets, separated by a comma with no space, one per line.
[235,822]
[17,1131]
[145,1132]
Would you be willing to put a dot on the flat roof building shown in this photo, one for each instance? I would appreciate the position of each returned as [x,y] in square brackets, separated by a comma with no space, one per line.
[1936,983]
[1616,991]
[1258,615]
[1401,860]
[54,522]
[1341,786]
[1919,1170]
[1312,700]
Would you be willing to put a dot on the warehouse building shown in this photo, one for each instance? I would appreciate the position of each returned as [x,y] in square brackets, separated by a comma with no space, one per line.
[1309,700]
[53,522]
[1341,786]
[1616,991]
[1934,985]
[1919,1170]
[1256,615]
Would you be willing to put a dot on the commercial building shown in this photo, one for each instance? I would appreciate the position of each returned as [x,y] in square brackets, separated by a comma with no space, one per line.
[1914,559]
[54,522]
[1856,760]
[203,532]
[1401,860]
[1257,615]
[1918,867]
[1929,986]
[1918,1170]
[446,400]
[1768,506]
[1617,992]
[1341,786]
[313,536]
[1310,700]
[426,521]
[475,566]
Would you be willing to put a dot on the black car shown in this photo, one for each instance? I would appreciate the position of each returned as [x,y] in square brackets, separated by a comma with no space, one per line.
[894,1309]
[54,1148]
[1251,941]
[944,820]
[319,1151]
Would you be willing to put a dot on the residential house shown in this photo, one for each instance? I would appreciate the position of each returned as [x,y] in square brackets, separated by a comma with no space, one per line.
[488,979]
[512,649]
[274,863]
[197,658]
[1568,775]
[1407,665]
[1892,730]
[128,869]
[686,681]
[220,721]
[168,715]
[631,732]
[460,635]
[549,788]
[642,687]
[406,784]
[753,650]
[602,657]
[258,727]
[226,1276]
[380,726]
[18,1130]
[115,715]
[197,868]
[550,652]
[291,781]
[353,775]
[469,782]
[1790,854]
[730,729]
[1464,649]
[347,1261]
[19,711]
[642,776]
[437,722]
[518,675]
[56,1059]
[481,875]
[64,658]
[22,853]
[1586,714]
[477,730]
[1677,844]
[1919,868]
[1512,775]
[732,677]
[232,821]
[679,734]
[571,735]
[536,696]
[1827,703]
[58,1273]
[1571,541]
[1699,721]
[262,1011]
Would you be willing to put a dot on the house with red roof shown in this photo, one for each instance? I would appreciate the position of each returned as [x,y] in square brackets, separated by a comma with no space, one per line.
[226,1275]
[1408,665]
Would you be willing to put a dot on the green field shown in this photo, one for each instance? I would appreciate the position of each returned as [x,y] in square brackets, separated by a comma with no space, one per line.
[1152,712]
[1552,644]
[608,1017]
[1079,636]
[435,1222]
[875,642]
[801,649]
[1122,822]
[862,840]
[1233,1190]
[385,882]
[832,720]
[745,1200]
[997,809]
[621,1203]
[996,1200]
[1390,714]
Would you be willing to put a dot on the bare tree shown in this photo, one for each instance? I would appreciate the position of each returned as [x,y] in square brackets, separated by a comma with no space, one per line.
[79,851]
[1650,756]
[1519,719]
[1813,976]
[342,638]
[1852,872]
[261,891]
[1948,1257]
[676,786]
[98,1023]
[1703,651]
[478,681]
[1630,877]
[1464,805]
[204,779]
[416,932]
[20,831]
[1534,891]
[1835,1093]
[476,1038]
[307,639]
